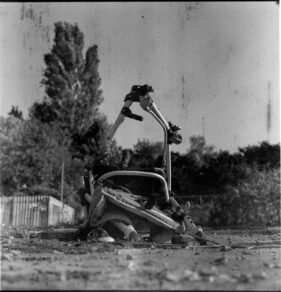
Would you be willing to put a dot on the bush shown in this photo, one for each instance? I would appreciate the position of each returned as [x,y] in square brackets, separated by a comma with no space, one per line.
[253,201]
[42,191]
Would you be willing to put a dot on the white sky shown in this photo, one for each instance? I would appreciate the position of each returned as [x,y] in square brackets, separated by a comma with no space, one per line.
[217,60]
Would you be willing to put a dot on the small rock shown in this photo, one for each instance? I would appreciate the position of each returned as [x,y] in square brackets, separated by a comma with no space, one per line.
[147,263]
[188,273]
[245,278]
[173,277]
[247,252]
[221,261]
[269,265]
[129,257]
[260,275]
[63,276]
[191,275]
[225,248]
[211,279]
[225,278]
[131,265]
[213,271]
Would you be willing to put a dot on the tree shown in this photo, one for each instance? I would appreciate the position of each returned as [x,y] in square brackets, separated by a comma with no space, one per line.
[10,152]
[147,154]
[72,99]
[71,82]
[15,112]
[30,158]
[28,155]
[72,92]
[263,155]
[199,151]
[93,146]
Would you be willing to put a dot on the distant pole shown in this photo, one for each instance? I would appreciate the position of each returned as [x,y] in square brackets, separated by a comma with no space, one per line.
[62,182]
[268,112]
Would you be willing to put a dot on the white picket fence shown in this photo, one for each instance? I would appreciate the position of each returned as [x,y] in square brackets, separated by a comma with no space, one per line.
[34,211]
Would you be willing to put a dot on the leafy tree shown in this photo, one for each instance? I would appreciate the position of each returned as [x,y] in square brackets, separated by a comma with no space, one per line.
[199,151]
[263,155]
[71,82]
[73,95]
[15,112]
[146,154]
[30,157]
[255,200]
[10,152]
[183,174]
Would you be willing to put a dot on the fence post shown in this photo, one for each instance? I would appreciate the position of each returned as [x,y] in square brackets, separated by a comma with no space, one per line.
[12,211]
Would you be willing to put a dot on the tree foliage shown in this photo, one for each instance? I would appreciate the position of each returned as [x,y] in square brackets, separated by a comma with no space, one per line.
[146,154]
[73,95]
[255,200]
[71,82]
[31,159]
[263,155]
[10,154]
[15,112]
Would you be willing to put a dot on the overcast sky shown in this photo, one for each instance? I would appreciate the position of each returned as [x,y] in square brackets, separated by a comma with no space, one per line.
[213,60]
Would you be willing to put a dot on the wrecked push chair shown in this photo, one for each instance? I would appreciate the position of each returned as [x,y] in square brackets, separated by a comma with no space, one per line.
[129,204]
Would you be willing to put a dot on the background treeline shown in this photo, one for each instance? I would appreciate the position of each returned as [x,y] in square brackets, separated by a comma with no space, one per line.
[46,153]
[241,188]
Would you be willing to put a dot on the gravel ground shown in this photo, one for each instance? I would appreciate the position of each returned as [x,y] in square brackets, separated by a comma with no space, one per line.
[49,264]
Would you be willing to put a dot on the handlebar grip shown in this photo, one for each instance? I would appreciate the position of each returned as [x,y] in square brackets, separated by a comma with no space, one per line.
[128,113]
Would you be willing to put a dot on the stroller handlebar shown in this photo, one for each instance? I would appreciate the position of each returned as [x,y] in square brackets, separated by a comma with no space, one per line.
[137,91]
[140,93]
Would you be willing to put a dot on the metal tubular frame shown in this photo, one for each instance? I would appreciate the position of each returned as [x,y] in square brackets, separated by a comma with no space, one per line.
[137,173]
[148,105]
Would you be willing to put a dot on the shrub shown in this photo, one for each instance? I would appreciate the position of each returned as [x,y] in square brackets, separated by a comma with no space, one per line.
[253,201]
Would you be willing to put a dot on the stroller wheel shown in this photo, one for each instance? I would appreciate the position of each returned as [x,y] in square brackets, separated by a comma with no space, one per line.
[99,234]
[134,236]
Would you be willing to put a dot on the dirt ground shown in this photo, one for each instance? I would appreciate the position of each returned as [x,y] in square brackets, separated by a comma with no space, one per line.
[51,264]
